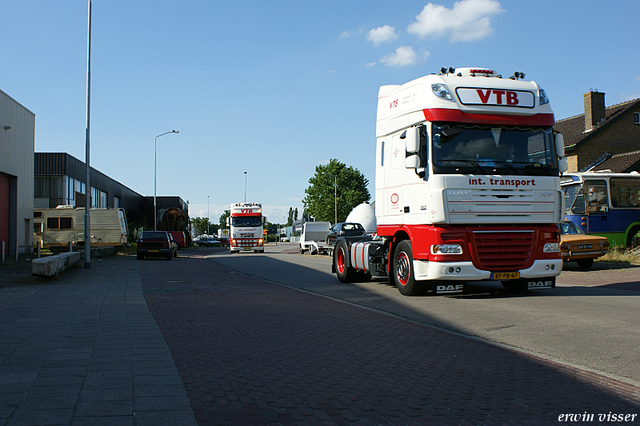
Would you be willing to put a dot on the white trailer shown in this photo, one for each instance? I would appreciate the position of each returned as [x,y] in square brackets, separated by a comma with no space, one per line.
[65,224]
[314,237]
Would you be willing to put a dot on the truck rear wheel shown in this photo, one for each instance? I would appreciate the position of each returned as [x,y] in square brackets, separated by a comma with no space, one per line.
[403,269]
[340,262]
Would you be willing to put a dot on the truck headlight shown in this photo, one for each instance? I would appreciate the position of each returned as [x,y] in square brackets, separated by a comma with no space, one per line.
[446,249]
[551,248]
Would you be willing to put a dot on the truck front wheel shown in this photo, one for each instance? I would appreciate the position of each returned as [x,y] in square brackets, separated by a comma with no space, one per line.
[340,262]
[403,269]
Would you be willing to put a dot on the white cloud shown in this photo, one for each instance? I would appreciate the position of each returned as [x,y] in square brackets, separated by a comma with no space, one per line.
[345,35]
[467,20]
[370,64]
[382,34]
[404,55]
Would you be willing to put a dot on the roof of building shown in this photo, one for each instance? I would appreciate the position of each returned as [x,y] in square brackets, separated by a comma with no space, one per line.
[619,163]
[573,128]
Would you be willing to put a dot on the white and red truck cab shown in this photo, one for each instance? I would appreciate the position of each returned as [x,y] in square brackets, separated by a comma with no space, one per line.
[467,186]
[245,227]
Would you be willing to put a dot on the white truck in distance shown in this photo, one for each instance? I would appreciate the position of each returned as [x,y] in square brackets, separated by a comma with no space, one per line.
[467,186]
[245,227]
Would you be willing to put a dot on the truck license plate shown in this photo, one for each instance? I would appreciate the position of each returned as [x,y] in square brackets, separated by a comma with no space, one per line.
[505,275]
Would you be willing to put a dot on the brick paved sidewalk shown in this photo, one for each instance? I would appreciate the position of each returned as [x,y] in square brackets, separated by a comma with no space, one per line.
[252,352]
[83,349]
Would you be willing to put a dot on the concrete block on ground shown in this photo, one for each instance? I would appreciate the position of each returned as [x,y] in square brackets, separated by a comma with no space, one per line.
[53,265]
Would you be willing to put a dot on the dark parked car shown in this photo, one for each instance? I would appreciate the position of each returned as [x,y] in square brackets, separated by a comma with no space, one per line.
[155,243]
[344,229]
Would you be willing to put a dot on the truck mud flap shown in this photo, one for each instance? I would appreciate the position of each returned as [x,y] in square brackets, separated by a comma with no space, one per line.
[448,288]
[541,283]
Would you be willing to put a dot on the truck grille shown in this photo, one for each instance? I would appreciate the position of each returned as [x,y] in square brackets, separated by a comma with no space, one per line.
[503,250]
[246,242]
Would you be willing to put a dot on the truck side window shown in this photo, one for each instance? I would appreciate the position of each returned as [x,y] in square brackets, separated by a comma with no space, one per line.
[423,153]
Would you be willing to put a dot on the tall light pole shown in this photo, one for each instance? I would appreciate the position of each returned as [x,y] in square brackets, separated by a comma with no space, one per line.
[208,230]
[245,187]
[87,207]
[155,209]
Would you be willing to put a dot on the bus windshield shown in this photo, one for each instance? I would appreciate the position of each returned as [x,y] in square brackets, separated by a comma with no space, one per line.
[574,199]
[247,221]
[509,150]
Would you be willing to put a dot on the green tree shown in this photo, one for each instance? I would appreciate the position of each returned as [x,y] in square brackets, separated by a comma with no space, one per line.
[333,185]
[290,217]
[201,225]
[223,219]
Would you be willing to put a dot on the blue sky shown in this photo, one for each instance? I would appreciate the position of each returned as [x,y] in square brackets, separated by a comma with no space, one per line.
[275,88]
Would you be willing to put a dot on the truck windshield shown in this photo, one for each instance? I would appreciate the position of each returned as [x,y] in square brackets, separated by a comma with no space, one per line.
[509,150]
[246,221]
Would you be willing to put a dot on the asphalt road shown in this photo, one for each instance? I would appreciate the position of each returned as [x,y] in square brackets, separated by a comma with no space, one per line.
[590,320]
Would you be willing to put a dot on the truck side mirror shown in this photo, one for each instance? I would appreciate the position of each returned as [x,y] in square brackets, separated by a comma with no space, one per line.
[560,145]
[411,140]
[227,221]
[563,166]
[412,162]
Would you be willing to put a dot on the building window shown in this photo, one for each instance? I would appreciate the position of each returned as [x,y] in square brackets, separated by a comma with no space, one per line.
[636,118]
[52,223]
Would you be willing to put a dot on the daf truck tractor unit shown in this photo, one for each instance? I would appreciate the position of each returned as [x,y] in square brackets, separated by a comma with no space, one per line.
[467,186]
[245,227]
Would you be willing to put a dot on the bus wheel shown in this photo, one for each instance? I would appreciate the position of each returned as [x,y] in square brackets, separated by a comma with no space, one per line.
[403,269]
[633,240]
[340,261]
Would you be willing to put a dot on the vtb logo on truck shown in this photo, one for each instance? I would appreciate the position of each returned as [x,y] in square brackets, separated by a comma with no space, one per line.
[495,97]
[246,211]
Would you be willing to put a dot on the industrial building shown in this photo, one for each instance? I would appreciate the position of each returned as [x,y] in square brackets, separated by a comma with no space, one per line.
[17,144]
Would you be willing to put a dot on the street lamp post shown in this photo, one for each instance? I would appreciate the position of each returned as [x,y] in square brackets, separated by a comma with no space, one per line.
[208,229]
[335,198]
[245,187]
[155,209]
